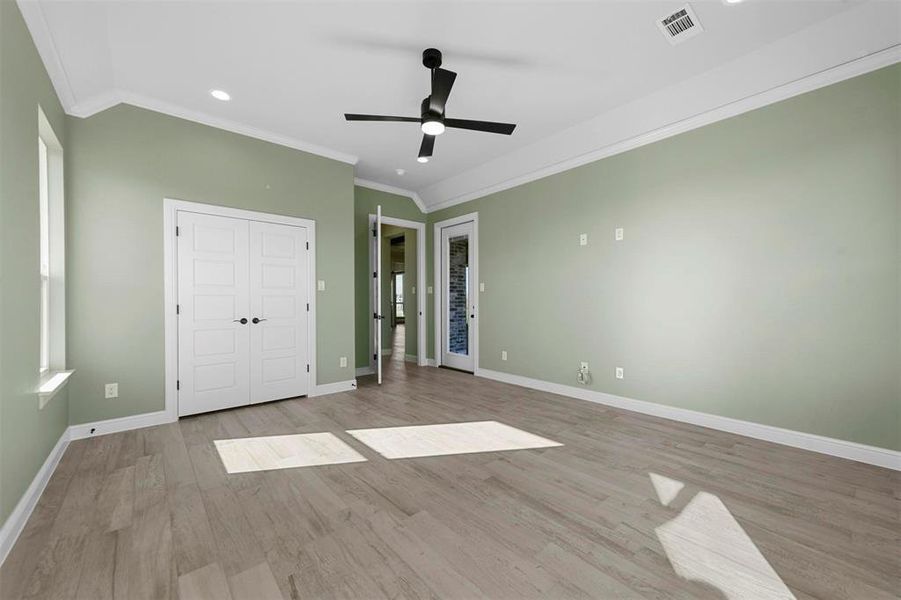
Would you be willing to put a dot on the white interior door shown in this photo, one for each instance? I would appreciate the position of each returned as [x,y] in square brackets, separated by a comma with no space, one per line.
[458,300]
[279,306]
[213,313]
[377,292]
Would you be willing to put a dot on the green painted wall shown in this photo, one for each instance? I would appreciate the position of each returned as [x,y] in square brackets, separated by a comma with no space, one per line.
[124,161]
[26,434]
[406,258]
[758,278]
[365,202]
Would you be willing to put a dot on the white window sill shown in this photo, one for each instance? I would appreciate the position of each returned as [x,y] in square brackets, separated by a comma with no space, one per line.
[51,384]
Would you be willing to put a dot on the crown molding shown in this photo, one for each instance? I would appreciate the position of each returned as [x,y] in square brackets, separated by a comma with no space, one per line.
[160,106]
[836,74]
[390,189]
[36,22]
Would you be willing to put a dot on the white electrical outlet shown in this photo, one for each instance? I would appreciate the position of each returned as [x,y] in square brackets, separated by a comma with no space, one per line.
[320,285]
[342,362]
[111,390]
[583,239]
[503,355]
[429,290]
[482,286]
[619,372]
[584,365]
[618,234]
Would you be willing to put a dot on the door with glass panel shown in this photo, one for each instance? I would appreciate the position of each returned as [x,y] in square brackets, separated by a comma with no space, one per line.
[458,310]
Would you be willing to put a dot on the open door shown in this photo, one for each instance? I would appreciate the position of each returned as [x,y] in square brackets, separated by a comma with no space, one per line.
[376,336]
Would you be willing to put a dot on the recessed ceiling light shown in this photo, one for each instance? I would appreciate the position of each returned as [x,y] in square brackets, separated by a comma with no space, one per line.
[399,171]
[423,159]
[220,95]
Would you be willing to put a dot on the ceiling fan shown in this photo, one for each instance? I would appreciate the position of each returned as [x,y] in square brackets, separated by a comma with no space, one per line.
[432,121]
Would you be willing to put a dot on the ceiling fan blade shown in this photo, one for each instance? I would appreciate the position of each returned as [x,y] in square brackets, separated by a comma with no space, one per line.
[353,117]
[442,82]
[486,126]
[428,144]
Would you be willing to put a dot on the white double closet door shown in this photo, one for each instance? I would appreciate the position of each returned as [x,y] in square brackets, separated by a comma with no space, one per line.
[243,306]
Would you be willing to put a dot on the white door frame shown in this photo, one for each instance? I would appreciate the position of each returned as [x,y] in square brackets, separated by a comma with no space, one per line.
[420,282]
[439,317]
[171,207]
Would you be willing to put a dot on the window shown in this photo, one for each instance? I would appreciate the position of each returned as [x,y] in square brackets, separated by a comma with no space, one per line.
[44,201]
[51,263]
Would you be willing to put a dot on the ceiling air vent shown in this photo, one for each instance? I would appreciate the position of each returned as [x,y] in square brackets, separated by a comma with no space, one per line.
[680,25]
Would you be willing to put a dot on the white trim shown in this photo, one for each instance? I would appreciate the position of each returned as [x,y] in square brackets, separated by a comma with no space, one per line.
[17,519]
[438,292]
[334,388]
[836,74]
[86,430]
[363,371]
[45,395]
[882,457]
[421,243]
[106,100]
[390,189]
[33,14]
[171,207]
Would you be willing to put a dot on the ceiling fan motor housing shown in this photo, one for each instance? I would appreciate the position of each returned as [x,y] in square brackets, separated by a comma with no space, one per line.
[427,114]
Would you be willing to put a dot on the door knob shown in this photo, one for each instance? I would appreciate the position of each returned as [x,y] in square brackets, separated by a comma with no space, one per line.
[242,321]
[256,320]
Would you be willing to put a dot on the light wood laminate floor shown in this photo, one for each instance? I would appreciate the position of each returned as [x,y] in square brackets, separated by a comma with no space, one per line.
[630,506]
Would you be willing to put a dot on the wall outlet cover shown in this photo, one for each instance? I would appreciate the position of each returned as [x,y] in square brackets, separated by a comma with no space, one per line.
[111,390]
[583,365]
[583,239]
[503,355]
[342,362]
[619,234]
[429,290]
[320,285]
[481,286]
[619,372]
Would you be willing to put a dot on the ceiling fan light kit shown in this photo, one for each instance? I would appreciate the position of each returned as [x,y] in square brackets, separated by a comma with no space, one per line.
[432,119]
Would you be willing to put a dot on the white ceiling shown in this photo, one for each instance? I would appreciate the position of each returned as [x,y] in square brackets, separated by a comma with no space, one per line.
[294,68]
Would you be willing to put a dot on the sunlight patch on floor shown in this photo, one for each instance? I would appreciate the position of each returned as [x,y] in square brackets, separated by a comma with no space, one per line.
[706,544]
[449,438]
[245,455]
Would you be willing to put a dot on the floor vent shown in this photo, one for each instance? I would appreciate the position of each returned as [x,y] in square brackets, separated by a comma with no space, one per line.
[680,25]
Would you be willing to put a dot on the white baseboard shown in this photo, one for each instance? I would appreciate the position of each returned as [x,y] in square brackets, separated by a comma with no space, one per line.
[84,430]
[17,519]
[334,388]
[882,457]
[431,362]
[411,358]
[362,371]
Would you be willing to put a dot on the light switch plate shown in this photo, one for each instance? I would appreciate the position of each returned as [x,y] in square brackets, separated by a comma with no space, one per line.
[583,239]
[320,285]
[342,362]
[111,390]
[482,286]
[618,234]
[503,355]
[619,372]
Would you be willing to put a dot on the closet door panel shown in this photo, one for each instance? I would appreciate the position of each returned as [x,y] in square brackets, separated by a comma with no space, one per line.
[213,297]
[279,297]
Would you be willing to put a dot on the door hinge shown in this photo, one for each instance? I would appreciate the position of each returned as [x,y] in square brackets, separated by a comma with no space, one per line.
[375,356]
[177,384]
[374,274]
[308,245]
[375,232]
[308,368]
[308,307]
[177,309]
[176,231]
